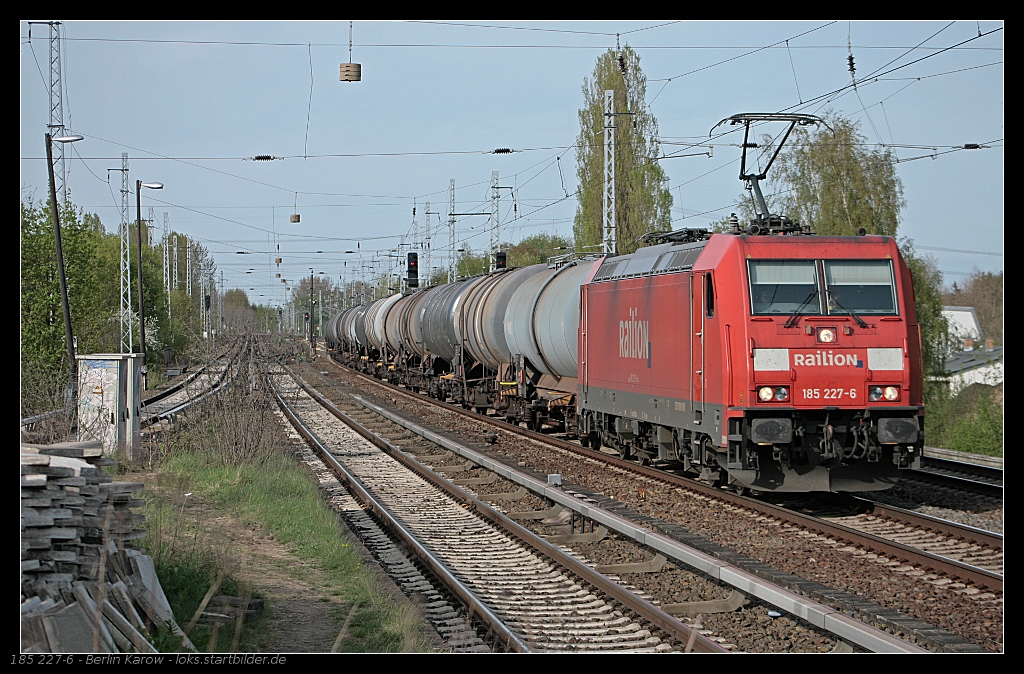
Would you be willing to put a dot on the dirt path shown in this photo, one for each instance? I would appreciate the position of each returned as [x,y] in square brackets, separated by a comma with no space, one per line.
[301,615]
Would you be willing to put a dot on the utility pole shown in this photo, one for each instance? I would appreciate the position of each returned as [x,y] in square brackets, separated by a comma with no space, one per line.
[426,251]
[416,226]
[68,335]
[610,245]
[451,233]
[220,301]
[312,339]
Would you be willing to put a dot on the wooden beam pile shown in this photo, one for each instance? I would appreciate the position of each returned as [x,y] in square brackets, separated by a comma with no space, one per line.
[85,586]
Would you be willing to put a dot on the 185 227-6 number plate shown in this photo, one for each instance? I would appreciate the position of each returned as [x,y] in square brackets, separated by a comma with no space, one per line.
[829,393]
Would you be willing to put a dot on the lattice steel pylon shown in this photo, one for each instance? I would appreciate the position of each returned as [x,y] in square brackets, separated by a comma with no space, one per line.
[608,221]
[175,284]
[188,266]
[57,113]
[167,264]
[127,317]
[426,249]
[495,216]
[451,231]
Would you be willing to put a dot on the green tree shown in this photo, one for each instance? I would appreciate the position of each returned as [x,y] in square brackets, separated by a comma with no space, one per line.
[984,292]
[42,317]
[642,203]
[537,249]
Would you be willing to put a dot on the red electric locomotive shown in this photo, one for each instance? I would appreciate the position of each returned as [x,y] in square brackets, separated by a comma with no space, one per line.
[769,359]
[785,362]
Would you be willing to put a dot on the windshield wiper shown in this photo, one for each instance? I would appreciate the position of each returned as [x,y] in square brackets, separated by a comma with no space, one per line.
[795,316]
[832,300]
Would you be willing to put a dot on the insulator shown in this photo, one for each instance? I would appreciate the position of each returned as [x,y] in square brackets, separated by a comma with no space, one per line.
[622,64]
[503,150]
[971,146]
[853,69]
[264,157]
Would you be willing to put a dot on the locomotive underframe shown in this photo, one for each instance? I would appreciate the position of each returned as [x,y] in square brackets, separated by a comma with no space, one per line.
[780,449]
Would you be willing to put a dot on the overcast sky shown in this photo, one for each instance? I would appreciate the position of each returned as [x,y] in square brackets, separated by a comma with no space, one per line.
[189,102]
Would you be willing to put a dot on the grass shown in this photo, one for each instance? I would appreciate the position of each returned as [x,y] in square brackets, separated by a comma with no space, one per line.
[198,477]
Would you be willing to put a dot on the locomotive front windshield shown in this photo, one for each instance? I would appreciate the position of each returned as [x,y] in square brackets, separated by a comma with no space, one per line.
[860,286]
[783,287]
[821,287]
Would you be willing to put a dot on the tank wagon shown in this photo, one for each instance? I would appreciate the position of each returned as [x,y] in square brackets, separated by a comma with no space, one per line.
[765,358]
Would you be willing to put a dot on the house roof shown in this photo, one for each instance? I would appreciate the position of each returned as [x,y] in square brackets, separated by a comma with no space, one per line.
[963,361]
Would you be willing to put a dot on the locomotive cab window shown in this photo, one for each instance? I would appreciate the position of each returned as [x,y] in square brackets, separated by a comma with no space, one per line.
[860,286]
[783,287]
[709,296]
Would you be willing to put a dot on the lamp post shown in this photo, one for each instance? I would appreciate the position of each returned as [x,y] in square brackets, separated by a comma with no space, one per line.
[68,337]
[142,310]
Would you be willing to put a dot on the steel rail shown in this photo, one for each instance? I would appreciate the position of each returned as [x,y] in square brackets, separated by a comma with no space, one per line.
[902,552]
[935,524]
[647,611]
[476,607]
[151,419]
[973,477]
[184,382]
[817,614]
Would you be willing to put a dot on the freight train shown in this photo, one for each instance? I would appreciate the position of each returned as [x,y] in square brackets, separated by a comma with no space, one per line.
[766,358]
[777,361]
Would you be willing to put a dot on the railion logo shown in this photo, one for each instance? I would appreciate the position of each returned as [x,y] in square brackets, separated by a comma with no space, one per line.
[827,359]
[634,338]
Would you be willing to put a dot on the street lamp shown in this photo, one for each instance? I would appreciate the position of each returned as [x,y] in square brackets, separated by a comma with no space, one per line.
[142,310]
[69,138]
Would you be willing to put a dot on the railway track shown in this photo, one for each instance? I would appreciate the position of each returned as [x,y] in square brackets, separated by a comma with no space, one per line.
[939,557]
[982,475]
[173,401]
[581,511]
[531,595]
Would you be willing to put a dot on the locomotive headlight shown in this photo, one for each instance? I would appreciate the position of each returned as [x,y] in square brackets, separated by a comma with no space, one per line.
[874,393]
[782,394]
[765,393]
[826,335]
[891,393]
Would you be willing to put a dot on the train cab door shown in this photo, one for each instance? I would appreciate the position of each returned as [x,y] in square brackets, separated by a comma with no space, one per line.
[697,346]
[582,347]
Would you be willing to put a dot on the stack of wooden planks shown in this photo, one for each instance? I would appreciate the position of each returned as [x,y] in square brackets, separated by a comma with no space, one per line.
[85,586]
